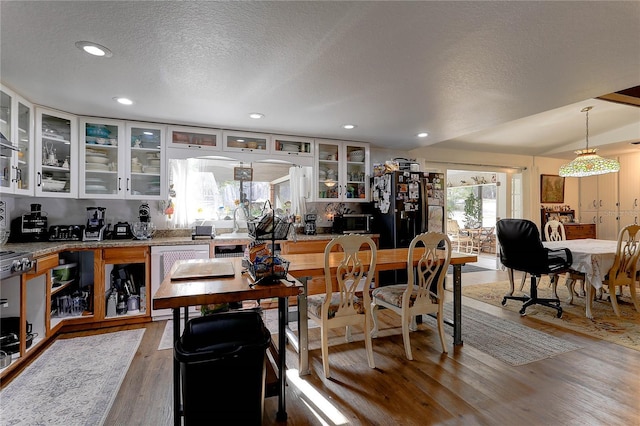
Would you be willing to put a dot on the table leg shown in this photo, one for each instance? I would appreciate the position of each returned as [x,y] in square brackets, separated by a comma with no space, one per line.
[588,298]
[283,311]
[457,304]
[177,406]
[303,330]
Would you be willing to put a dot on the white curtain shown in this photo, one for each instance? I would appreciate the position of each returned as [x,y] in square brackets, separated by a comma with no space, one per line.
[197,196]
[300,177]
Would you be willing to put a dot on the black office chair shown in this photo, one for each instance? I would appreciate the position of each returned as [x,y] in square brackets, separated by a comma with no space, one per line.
[521,249]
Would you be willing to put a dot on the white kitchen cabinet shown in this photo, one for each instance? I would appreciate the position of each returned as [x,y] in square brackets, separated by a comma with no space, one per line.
[599,204]
[246,142]
[292,146]
[196,139]
[121,160]
[629,178]
[102,158]
[16,125]
[145,162]
[342,171]
[56,154]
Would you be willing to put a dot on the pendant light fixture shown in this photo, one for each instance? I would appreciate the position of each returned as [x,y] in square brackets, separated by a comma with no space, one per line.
[588,163]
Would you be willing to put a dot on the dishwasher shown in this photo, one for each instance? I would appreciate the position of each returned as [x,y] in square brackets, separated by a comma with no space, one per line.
[162,259]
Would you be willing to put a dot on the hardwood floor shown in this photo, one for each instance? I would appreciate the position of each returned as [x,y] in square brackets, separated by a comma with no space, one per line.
[595,385]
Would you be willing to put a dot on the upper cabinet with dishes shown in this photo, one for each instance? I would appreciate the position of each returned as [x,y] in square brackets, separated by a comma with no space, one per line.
[244,142]
[194,138]
[342,171]
[56,154]
[16,148]
[120,160]
[292,146]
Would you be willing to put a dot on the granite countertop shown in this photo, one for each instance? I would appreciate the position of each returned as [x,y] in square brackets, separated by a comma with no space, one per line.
[162,238]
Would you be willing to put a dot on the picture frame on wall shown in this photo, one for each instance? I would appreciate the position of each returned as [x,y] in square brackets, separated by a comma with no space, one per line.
[551,189]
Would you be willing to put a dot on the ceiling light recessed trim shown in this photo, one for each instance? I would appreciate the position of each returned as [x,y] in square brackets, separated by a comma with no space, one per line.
[256,115]
[94,49]
[123,101]
[349,126]
[588,163]
[422,134]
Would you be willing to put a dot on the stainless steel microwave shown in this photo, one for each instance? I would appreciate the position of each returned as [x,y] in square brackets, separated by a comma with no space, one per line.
[352,224]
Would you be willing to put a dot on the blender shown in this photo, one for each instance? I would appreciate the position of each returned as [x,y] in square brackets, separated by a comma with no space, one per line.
[94,230]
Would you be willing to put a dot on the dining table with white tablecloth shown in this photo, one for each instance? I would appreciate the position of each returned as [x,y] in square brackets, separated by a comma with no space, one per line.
[593,258]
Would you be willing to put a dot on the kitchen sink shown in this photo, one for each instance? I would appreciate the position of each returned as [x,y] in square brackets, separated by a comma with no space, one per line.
[233,236]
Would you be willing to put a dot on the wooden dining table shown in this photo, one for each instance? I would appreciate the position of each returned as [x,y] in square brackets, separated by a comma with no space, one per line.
[592,257]
[305,266]
[202,288]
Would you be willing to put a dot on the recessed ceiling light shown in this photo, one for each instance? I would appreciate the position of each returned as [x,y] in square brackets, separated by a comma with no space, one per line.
[94,49]
[423,135]
[349,126]
[123,101]
[256,115]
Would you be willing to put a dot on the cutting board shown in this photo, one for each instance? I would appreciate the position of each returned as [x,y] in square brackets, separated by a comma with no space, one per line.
[208,269]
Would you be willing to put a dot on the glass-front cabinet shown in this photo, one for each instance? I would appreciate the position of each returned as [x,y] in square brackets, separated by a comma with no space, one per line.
[246,142]
[16,143]
[342,170]
[291,146]
[194,138]
[102,158]
[56,154]
[145,161]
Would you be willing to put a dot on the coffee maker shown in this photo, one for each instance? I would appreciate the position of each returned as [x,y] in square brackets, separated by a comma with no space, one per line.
[94,231]
[30,227]
[310,224]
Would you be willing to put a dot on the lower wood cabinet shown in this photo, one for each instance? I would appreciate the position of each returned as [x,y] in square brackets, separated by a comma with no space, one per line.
[576,231]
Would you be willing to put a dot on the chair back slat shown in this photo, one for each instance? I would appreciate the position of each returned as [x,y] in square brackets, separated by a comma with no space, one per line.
[554,231]
[625,264]
[426,280]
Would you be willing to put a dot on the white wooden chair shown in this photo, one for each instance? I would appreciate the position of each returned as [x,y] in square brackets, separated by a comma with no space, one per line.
[351,303]
[457,237]
[424,291]
[624,271]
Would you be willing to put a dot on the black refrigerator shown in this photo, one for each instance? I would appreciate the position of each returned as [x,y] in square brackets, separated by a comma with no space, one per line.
[406,204]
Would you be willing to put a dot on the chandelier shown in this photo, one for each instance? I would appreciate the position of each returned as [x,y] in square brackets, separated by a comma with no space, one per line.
[588,163]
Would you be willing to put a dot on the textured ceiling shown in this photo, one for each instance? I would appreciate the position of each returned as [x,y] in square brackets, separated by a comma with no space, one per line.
[458,70]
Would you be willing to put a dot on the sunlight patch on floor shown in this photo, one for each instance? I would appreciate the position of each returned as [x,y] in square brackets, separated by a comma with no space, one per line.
[327,410]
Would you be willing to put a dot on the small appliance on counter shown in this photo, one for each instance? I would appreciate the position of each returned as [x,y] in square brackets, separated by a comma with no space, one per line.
[122,231]
[96,225]
[30,227]
[66,232]
[310,224]
[203,232]
[144,228]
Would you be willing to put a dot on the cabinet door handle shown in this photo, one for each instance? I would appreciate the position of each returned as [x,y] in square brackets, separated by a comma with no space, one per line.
[194,146]
[39,179]
[119,184]
[635,202]
[127,184]
[600,203]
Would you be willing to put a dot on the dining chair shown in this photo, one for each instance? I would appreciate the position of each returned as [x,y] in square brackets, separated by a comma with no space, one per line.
[625,269]
[423,292]
[521,250]
[554,231]
[458,237]
[350,304]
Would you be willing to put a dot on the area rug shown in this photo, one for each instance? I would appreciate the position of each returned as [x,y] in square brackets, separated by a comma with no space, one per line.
[270,318]
[166,341]
[508,341]
[468,268]
[605,325]
[73,382]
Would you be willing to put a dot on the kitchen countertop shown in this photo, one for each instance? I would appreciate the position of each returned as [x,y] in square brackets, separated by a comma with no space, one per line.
[39,249]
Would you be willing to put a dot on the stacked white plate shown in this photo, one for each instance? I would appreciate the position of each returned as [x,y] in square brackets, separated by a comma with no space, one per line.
[97,161]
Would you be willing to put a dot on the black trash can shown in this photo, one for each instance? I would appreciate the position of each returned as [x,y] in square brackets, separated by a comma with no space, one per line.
[223,365]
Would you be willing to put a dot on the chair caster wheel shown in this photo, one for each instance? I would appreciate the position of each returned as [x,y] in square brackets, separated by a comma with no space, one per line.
[523,312]
[504,301]
[559,313]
